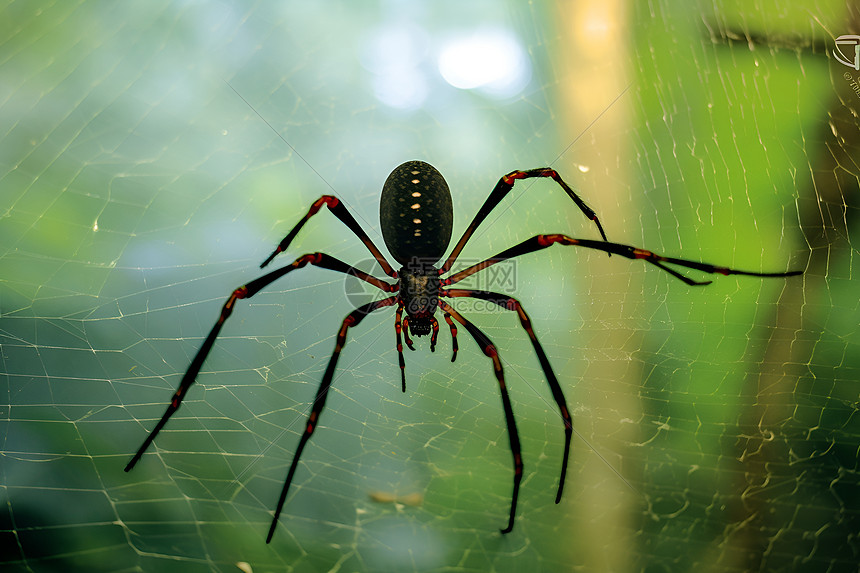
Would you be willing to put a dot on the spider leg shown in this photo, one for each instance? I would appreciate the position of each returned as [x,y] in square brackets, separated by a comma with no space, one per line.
[501,189]
[247,291]
[453,335]
[352,319]
[406,333]
[435,335]
[510,303]
[490,350]
[338,210]
[539,242]
[398,316]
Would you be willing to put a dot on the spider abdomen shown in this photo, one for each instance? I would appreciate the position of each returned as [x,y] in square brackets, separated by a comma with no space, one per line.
[416,213]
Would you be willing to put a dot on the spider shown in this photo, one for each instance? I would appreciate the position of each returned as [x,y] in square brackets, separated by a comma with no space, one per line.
[417,218]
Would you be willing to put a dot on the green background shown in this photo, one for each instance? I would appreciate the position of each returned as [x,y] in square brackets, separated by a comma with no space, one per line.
[717,427]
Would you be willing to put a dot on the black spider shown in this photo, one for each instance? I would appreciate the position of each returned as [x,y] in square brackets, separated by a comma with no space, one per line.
[417,218]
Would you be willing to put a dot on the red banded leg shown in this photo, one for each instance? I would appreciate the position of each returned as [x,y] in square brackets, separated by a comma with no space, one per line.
[352,319]
[539,242]
[510,303]
[453,335]
[489,349]
[338,210]
[247,291]
[398,317]
[406,333]
[400,324]
[435,335]
[501,189]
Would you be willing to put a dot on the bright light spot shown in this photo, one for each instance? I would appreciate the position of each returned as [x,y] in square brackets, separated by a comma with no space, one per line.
[393,55]
[96,226]
[490,60]
[584,168]
[416,206]
[596,26]
[404,90]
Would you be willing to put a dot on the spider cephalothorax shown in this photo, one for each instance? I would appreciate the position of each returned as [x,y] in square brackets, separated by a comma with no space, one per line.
[419,294]
[417,219]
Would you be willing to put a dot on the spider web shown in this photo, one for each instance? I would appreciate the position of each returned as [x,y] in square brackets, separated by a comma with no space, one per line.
[716,426]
